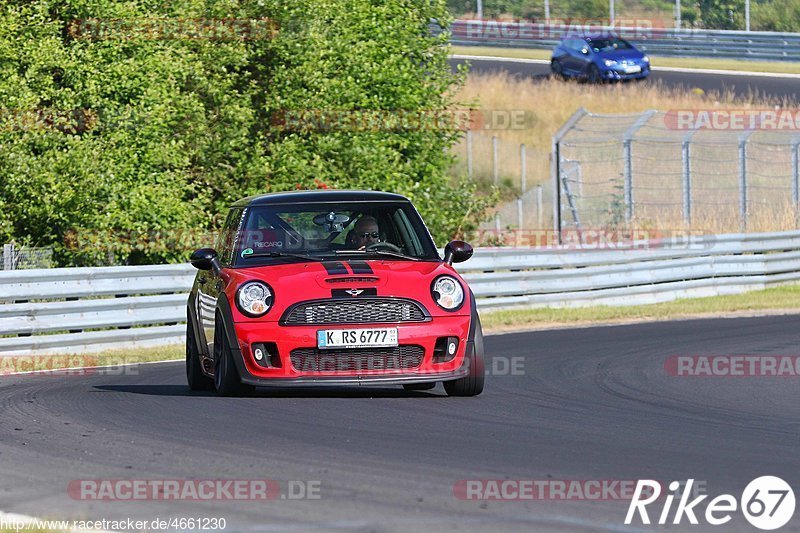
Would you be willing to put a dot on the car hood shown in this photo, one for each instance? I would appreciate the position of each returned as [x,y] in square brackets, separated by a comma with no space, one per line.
[301,281]
[620,55]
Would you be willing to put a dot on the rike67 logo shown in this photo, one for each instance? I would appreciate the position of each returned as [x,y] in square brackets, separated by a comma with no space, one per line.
[767,503]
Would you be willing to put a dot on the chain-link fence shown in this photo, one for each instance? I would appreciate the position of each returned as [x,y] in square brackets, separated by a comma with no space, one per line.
[14,258]
[714,170]
[517,171]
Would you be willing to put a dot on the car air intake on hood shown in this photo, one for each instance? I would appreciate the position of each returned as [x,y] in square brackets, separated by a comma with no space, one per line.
[364,279]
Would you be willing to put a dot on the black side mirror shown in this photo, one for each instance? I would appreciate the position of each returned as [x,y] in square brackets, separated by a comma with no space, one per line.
[457,252]
[205,259]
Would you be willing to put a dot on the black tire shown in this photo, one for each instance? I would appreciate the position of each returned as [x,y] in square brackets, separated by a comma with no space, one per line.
[593,74]
[227,381]
[419,386]
[194,373]
[471,384]
[556,69]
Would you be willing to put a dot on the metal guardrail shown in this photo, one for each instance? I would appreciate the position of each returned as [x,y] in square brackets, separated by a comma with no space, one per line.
[75,310]
[654,41]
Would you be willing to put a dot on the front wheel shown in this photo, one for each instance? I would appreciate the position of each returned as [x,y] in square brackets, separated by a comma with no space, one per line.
[556,70]
[593,74]
[226,378]
[472,383]
[194,374]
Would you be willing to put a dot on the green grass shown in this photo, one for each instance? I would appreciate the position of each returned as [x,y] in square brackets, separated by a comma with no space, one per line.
[141,355]
[785,297]
[786,67]
[107,358]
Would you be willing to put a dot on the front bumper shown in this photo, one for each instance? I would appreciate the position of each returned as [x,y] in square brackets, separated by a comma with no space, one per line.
[618,73]
[288,338]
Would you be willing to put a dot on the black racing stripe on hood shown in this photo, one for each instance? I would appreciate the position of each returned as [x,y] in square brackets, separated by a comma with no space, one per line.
[334,268]
[360,267]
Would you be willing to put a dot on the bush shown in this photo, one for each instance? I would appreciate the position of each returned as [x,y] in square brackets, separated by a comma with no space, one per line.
[107,138]
[776,15]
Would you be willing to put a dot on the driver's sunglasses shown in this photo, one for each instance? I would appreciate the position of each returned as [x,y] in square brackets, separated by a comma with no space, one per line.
[373,234]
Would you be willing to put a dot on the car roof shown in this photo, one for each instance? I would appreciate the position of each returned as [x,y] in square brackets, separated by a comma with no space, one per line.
[296,197]
[590,37]
[599,36]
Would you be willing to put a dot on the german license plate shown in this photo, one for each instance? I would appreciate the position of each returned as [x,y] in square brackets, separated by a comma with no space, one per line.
[633,69]
[356,338]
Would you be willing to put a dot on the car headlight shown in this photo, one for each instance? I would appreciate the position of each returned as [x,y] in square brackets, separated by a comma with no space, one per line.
[646,59]
[610,62]
[254,298]
[447,293]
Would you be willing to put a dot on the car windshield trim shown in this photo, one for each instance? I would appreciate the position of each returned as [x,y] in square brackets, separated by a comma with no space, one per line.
[316,232]
[284,254]
[339,253]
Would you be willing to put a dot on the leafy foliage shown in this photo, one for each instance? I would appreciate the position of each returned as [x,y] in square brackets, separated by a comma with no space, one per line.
[126,145]
[776,15]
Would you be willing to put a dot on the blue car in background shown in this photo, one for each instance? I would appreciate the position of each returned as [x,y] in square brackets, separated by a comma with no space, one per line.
[597,58]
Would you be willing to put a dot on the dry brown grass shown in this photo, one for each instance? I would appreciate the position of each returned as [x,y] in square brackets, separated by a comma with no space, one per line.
[552,102]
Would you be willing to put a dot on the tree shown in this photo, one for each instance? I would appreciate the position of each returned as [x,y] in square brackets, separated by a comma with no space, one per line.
[722,14]
[129,126]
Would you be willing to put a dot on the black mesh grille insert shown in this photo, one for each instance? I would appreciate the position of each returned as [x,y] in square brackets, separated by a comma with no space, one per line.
[356,311]
[358,359]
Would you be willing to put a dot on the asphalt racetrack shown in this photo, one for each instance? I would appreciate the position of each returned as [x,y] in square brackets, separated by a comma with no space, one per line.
[766,88]
[573,404]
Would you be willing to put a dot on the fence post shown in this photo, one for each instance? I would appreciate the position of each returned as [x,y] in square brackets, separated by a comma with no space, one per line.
[743,180]
[522,186]
[469,154]
[539,207]
[795,177]
[628,181]
[687,184]
[496,177]
[8,256]
[627,139]
[687,177]
[555,167]
[555,155]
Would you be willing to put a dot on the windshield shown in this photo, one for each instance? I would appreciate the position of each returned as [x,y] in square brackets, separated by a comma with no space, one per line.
[609,45]
[326,230]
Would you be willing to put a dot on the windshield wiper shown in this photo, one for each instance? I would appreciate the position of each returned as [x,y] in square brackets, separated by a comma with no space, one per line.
[376,252]
[284,254]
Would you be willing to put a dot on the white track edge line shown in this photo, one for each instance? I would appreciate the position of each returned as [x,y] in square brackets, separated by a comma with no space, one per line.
[742,73]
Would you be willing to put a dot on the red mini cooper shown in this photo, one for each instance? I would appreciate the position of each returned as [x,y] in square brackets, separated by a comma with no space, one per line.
[331,288]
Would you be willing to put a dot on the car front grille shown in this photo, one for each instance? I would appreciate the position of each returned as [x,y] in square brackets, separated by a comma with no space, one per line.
[358,359]
[360,311]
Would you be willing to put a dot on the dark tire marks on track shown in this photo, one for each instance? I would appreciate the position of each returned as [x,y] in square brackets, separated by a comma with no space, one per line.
[592,403]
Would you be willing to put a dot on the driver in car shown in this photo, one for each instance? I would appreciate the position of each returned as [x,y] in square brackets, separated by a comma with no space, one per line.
[365,232]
